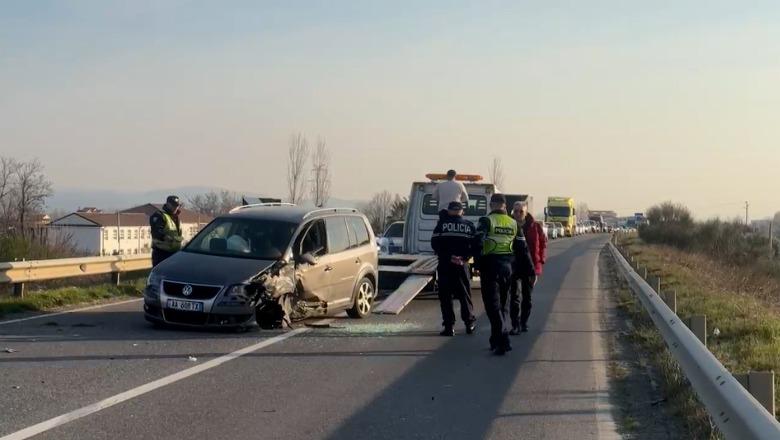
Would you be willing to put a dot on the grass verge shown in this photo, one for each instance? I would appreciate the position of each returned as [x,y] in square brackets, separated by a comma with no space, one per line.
[679,397]
[740,301]
[53,299]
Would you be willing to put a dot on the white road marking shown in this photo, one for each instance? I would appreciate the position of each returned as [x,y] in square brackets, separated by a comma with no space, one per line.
[143,389]
[64,312]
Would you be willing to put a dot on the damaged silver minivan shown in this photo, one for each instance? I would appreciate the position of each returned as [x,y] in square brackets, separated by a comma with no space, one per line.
[269,263]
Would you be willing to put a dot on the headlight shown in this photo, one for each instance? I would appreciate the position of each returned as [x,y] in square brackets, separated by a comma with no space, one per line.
[153,279]
[153,285]
[236,295]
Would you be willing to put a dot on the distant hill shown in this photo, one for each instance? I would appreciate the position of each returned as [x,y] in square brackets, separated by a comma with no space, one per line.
[70,199]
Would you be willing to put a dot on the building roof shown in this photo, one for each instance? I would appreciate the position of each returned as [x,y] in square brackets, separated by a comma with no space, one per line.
[186,216]
[103,219]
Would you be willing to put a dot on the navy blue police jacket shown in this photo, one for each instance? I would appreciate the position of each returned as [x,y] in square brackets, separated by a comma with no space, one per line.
[453,236]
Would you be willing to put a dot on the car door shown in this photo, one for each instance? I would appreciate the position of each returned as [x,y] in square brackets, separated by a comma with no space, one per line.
[315,279]
[365,254]
[343,261]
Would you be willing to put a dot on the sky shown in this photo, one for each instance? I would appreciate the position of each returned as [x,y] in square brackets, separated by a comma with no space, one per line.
[619,104]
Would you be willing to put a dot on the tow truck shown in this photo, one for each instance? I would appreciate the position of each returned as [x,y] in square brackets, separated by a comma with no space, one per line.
[411,271]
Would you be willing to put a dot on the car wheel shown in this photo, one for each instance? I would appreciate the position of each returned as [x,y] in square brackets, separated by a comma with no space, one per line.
[364,299]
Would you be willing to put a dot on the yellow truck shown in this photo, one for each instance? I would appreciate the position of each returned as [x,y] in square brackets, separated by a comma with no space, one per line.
[561,209]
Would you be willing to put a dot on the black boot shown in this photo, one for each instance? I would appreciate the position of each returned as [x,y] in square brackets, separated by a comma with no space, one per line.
[448,331]
[470,327]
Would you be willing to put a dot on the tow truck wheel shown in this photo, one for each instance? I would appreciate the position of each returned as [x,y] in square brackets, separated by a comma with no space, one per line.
[364,299]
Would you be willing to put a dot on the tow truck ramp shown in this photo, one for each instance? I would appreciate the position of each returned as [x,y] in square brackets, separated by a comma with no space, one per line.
[416,271]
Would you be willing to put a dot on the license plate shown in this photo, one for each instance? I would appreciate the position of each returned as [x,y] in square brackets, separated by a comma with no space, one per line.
[187,306]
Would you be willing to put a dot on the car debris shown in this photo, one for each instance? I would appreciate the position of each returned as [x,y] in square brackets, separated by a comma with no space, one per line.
[192,359]
[9,350]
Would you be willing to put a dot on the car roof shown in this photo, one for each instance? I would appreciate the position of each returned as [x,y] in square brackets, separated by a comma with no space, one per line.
[286,213]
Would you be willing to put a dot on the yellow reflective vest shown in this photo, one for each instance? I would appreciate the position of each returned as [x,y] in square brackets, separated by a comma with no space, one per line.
[171,242]
[500,236]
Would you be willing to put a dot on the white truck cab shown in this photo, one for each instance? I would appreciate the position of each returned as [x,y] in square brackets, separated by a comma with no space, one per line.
[415,267]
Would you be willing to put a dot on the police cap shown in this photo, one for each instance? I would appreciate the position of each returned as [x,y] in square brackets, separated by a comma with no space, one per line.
[498,199]
[455,206]
[173,201]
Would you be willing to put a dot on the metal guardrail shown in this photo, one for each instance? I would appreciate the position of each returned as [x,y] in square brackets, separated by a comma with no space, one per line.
[20,272]
[737,414]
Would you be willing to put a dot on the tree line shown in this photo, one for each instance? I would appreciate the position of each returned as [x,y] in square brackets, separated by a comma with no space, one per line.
[734,241]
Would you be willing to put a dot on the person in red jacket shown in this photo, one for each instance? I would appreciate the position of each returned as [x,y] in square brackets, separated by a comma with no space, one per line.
[525,280]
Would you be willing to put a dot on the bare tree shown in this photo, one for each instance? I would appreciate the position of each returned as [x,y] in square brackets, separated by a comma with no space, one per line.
[7,168]
[298,155]
[214,203]
[398,209]
[320,175]
[379,211]
[31,188]
[497,174]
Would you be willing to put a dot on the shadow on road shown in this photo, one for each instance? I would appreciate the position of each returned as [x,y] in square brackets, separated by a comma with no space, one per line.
[456,391]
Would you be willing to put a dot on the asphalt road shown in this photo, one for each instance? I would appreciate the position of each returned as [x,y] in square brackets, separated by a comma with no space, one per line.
[106,374]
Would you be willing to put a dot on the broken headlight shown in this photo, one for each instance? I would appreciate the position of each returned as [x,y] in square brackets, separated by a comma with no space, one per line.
[237,295]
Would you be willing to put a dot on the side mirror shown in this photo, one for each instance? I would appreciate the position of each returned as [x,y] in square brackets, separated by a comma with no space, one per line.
[309,258]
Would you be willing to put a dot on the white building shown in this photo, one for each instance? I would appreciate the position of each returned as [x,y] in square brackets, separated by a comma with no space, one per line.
[124,233]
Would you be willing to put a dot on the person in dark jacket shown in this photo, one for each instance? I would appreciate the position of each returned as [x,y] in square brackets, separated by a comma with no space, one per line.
[453,242]
[166,230]
[526,274]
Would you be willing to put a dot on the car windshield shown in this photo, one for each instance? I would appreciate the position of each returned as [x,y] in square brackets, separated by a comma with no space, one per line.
[558,211]
[396,230]
[244,238]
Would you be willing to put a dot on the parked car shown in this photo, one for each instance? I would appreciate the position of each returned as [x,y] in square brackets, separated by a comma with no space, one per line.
[392,241]
[546,228]
[550,229]
[561,229]
[268,264]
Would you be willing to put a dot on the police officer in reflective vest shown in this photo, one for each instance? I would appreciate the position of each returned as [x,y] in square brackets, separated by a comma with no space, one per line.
[496,233]
[453,242]
[166,230]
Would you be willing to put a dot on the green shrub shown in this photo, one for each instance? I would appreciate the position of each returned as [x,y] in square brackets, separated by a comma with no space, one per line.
[729,241]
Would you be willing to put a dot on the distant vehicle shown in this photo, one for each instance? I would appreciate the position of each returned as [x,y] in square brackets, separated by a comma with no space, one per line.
[561,209]
[267,263]
[550,230]
[598,221]
[561,231]
[392,241]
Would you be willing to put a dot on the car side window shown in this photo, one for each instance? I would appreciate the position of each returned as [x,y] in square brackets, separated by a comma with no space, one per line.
[338,237]
[314,240]
[353,241]
[358,226]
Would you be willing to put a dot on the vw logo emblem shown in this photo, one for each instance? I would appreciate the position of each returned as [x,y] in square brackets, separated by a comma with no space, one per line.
[186,290]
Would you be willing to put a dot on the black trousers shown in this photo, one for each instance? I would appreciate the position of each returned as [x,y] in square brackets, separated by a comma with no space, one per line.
[455,282]
[158,256]
[496,278]
[520,308]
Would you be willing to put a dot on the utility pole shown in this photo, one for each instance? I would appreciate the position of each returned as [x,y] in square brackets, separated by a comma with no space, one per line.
[771,239]
[747,207]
